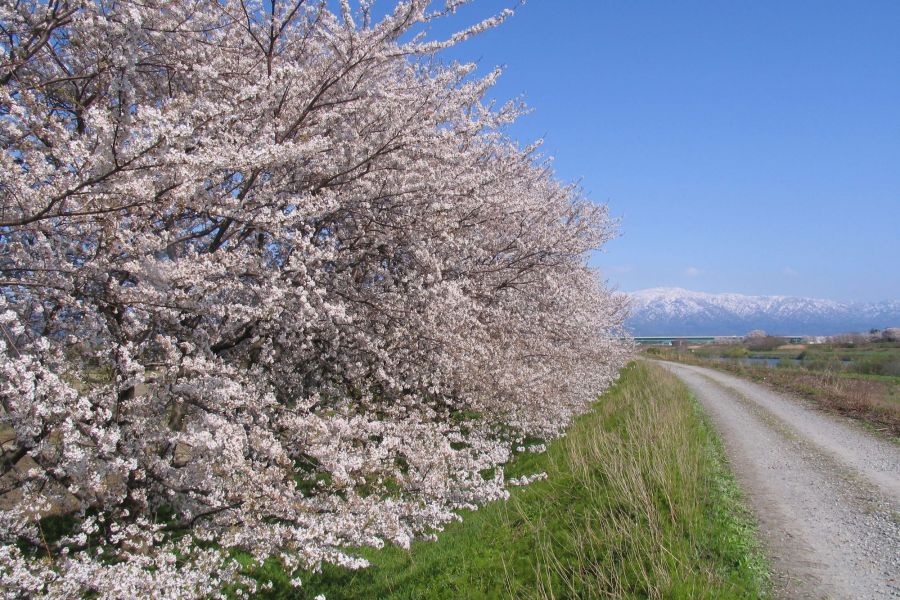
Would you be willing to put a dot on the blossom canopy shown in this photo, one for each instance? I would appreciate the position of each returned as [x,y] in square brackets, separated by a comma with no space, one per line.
[273,279]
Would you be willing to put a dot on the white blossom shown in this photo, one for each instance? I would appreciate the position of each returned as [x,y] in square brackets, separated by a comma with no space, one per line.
[527,479]
[272,278]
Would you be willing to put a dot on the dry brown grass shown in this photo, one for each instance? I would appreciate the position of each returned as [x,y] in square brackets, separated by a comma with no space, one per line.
[875,402]
[792,347]
[868,400]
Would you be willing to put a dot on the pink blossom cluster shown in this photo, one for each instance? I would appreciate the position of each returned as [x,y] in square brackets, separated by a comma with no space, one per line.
[272,279]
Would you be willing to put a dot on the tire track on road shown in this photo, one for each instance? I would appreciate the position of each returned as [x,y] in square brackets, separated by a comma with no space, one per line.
[825,493]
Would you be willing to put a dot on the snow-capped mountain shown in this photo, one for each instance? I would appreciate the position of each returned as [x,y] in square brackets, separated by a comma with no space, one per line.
[675,311]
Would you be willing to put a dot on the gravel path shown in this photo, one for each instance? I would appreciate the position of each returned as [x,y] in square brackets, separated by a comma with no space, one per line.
[826,494]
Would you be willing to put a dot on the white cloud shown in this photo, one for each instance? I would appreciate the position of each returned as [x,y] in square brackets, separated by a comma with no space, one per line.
[789,271]
[692,272]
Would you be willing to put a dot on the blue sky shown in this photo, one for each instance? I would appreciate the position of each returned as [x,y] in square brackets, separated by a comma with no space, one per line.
[750,147]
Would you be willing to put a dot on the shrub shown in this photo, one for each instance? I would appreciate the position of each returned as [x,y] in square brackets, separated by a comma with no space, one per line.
[764,343]
[736,352]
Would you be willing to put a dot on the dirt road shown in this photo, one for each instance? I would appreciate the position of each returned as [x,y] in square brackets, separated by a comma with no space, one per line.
[825,492]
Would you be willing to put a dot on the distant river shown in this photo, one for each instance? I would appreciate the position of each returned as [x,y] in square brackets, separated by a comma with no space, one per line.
[769,362]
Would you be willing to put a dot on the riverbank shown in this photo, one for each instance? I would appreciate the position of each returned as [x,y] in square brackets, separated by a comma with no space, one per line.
[871,398]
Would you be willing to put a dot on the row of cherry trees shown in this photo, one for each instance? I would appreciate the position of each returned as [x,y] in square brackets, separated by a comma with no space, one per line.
[273,278]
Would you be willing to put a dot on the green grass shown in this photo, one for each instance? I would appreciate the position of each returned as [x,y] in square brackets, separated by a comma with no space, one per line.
[639,503]
[878,359]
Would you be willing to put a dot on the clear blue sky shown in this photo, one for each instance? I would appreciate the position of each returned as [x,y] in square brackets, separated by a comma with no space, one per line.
[751,147]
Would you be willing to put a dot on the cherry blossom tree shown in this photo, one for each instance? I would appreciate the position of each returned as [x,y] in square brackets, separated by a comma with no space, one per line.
[274,279]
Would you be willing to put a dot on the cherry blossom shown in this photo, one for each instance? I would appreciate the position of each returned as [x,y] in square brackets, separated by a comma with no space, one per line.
[275,280]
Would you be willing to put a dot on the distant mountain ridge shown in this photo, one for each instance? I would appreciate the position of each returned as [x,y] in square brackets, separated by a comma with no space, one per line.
[676,311]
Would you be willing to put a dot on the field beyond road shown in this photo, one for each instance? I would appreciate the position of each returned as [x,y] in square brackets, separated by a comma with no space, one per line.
[861,381]
[638,503]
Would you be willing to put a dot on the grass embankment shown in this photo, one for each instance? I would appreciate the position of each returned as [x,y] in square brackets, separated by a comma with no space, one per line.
[871,398]
[638,504]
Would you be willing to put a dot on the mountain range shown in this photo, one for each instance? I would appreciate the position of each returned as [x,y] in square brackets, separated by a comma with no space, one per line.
[676,311]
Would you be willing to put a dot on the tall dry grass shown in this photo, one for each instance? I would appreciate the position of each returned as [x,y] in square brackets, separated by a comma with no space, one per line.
[659,504]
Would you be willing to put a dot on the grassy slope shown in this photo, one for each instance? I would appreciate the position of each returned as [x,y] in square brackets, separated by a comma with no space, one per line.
[638,504]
